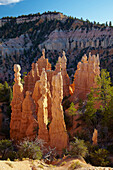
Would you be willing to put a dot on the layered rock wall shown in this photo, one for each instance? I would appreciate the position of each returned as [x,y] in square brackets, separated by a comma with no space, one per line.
[68,40]
[19,20]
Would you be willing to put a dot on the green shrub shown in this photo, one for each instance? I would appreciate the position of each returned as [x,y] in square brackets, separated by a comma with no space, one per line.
[16,160]
[8,159]
[75,165]
[41,166]
[78,148]
[65,151]
[23,159]
[29,149]
[99,157]
[7,150]
[5,92]
[91,148]
[63,163]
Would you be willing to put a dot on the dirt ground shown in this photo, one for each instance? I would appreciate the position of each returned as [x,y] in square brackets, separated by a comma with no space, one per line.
[64,164]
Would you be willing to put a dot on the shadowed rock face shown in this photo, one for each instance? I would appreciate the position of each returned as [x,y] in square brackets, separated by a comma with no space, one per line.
[39,102]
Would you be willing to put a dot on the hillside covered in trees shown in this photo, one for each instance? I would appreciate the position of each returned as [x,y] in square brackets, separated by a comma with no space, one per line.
[22,39]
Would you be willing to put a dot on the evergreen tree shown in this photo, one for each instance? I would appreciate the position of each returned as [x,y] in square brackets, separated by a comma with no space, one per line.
[104,90]
[98,110]
[87,113]
[5,93]
[106,24]
[72,110]
[110,24]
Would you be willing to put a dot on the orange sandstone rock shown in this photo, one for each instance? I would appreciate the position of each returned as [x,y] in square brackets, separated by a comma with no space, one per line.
[48,89]
[28,123]
[43,63]
[85,75]
[49,102]
[95,136]
[16,105]
[50,74]
[42,109]
[36,94]
[57,129]
[31,78]
[58,66]
[66,80]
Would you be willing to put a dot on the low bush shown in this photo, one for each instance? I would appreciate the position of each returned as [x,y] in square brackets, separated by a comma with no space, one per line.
[41,166]
[7,150]
[63,163]
[29,149]
[65,152]
[75,165]
[78,148]
[91,148]
[99,157]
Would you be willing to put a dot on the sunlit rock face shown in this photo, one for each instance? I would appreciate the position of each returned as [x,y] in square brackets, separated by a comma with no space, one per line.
[85,75]
[57,130]
[37,106]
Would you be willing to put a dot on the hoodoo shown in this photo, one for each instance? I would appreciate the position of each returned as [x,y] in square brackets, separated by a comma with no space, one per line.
[40,100]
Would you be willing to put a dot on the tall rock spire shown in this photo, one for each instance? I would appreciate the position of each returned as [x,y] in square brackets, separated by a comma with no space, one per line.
[42,109]
[85,75]
[57,129]
[28,122]
[66,80]
[16,104]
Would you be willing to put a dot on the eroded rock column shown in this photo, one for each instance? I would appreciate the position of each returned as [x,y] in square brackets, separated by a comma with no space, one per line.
[57,129]
[16,104]
[66,80]
[43,63]
[85,76]
[31,78]
[28,120]
[42,109]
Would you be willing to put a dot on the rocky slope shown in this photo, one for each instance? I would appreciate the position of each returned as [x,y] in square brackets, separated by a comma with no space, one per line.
[22,39]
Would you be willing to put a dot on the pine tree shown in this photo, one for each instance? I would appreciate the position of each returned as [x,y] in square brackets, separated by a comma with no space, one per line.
[72,110]
[110,24]
[98,110]
[106,24]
